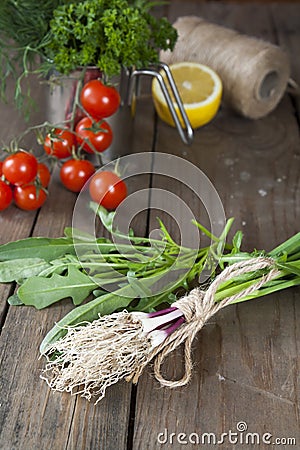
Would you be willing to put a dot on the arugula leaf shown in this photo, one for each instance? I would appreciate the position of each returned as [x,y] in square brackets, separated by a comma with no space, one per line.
[14,300]
[16,269]
[41,292]
[37,247]
[51,248]
[75,233]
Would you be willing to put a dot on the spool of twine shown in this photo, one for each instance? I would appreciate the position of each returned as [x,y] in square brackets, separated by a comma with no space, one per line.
[255,73]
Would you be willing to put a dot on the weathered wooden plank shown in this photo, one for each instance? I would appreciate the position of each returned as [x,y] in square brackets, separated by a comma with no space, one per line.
[254,166]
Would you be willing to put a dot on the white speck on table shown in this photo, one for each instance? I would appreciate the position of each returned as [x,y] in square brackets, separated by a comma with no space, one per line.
[262,192]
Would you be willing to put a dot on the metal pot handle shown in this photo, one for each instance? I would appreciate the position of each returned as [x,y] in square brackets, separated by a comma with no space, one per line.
[186,133]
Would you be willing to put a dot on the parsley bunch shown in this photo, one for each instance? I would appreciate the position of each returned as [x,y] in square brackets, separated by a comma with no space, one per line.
[107,34]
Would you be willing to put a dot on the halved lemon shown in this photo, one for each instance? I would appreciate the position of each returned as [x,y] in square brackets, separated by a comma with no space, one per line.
[200,89]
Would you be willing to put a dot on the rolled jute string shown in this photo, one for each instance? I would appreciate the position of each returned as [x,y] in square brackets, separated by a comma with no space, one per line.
[198,307]
[254,73]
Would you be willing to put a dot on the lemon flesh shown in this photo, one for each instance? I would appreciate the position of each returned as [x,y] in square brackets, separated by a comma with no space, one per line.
[200,89]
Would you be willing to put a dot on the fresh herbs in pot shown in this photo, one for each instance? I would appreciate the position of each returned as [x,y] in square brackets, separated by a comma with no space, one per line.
[67,34]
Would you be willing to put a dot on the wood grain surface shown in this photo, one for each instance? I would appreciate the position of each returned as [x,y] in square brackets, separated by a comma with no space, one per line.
[246,359]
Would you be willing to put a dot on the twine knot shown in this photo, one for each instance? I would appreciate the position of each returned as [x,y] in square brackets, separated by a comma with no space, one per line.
[198,307]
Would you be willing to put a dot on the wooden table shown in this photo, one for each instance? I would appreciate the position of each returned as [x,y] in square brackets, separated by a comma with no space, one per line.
[246,359]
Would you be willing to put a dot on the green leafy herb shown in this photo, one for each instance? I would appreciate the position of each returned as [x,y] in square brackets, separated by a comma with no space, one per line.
[45,248]
[122,297]
[130,271]
[42,292]
[17,269]
[14,300]
[24,27]
[107,34]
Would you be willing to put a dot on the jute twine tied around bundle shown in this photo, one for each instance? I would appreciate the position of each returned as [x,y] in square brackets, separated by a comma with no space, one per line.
[93,356]
[254,72]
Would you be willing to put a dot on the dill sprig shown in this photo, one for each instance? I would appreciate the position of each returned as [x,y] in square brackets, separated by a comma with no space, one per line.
[26,22]
[24,26]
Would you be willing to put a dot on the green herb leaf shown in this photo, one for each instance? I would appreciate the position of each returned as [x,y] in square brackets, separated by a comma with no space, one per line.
[290,246]
[108,34]
[40,247]
[41,292]
[14,300]
[16,269]
[237,241]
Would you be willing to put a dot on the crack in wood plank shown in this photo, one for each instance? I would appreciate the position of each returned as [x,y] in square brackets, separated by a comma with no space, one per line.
[255,389]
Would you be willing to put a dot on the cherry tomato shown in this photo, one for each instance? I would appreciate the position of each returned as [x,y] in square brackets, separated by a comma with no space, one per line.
[20,168]
[107,189]
[43,174]
[1,164]
[6,195]
[74,173]
[59,143]
[93,136]
[28,198]
[99,100]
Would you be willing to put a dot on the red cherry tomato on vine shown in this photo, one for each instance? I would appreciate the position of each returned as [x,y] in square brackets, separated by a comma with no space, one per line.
[74,173]
[59,143]
[107,189]
[28,197]
[6,195]
[99,100]
[43,174]
[93,136]
[1,164]
[20,168]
